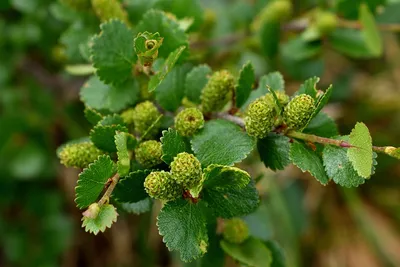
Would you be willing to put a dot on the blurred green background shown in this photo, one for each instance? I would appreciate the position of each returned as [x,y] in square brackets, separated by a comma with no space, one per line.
[40,110]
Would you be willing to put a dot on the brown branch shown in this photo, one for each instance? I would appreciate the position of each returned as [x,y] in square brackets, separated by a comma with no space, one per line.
[105,198]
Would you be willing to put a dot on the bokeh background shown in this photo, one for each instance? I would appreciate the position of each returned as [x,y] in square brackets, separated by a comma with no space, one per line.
[315,225]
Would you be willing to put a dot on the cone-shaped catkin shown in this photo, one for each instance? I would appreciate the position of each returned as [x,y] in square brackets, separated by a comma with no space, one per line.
[218,91]
[144,116]
[79,155]
[188,121]
[186,170]
[127,116]
[160,185]
[149,153]
[298,111]
[326,22]
[260,117]
[283,98]
[109,9]
[78,5]
[235,231]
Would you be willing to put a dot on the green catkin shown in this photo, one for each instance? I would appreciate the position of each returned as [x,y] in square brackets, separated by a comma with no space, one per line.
[186,170]
[149,153]
[260,117]
[298,111]
[189,121]
[144,116]
[235,231]
[79,155]
[160,185]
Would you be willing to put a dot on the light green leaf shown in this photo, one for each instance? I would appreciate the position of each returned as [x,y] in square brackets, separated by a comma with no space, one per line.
[370,31]
[92,180]
[102,136]
[173,144]
[245,83]
[183,227]
[221,142]
[252,252]
[130,189]
[113,53]
[105,218]
[225,177]
[124,162]
[274,151]
[308,160]
[196,79]
[80,69]
[230,202]
[169,63]
[339,168]
[98,95]
[361,154]
[139,207]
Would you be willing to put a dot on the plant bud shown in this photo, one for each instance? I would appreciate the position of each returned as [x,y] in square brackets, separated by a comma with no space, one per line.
[326,22]
[235,231]
[149,153]
[144,115]
[109,9]
[79,155]
[298,111]
[188,121]
[161,185]
[392,151]
[274,11]
[127,116]
[260,117]
[186,170]
[92,211]
[218,91]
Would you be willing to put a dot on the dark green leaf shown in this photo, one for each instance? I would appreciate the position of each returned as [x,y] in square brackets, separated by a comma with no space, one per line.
[92,115]
[114,119]
[224,177]
[221,142]
[278,257]
[298,49]
[196,79]
[139,207]
[350,42]
[245,83]
[92,180]
[322,125]
[172,145]
[274,151]
[103,136]
[183,227]
[130,189]
[308,160]
[112,52]
[270,31]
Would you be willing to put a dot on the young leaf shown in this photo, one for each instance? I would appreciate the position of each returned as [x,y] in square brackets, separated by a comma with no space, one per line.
[124,162]
[92,180]
[172,145]
[139,207]
[103,136]
[225,177]
[252,252]
[232,202]
[169,63]
[308,160]
[130,189]
[98,95]
[322,125]
[245,83]
[339,168]
[320,102]
[361,154]
[147,54]
[370,31]
[274,151]
[107,215]
[196,79]
[113,53]
[183,227]
[221,142]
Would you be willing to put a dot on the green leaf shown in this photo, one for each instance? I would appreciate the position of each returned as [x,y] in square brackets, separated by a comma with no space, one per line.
[158,21]
[169,63]
[130,189]
[270,31]
[139,207]
[322,125]
[196,79]
[124,162]
[113,119]
[183,227]
[113,53]
[72,38]
[339,168]
[274,151]
[309,87]
[103,136]
[298,49]
[361,154]
[98,95]
[252,252]
[370,31]
[245,83]
[171,90]
[92,180]
[350,42]
[172,145]
[105,218]
[92,115]
[225,177]
[278,257]
[308,160]
[221,142]
[229,202]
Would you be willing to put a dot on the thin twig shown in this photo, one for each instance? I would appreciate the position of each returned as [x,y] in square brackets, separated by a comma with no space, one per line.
[318,139]
[105,198]
[237,120]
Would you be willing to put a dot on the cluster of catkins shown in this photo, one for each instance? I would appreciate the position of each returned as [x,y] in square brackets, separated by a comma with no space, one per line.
[263,114]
